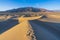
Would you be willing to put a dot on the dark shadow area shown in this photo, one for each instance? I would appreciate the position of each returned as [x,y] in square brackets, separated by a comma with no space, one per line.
[6,25]
[46,30]
[43,17]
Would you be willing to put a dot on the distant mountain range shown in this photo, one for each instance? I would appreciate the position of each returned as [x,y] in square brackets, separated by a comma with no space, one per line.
[28,9]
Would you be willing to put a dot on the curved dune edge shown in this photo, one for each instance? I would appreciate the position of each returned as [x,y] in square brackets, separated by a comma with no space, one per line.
[22,18]
[22,31]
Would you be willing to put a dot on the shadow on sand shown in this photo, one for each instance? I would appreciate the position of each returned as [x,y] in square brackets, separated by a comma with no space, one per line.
[42,30]
[46,30]
[6,25]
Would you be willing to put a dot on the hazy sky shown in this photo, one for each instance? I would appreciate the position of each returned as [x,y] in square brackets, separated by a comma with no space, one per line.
[47,4]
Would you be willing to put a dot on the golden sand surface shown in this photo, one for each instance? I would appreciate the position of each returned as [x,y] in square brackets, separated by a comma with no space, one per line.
[21,31]
[53,16]
[18,32]
[21,19]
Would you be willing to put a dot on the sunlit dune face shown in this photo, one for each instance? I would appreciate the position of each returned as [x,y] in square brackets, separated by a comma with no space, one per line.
[21,19]
[21,31]
[18,32]
[53,16]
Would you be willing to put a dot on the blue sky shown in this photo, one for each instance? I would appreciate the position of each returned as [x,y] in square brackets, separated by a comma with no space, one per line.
[47,4]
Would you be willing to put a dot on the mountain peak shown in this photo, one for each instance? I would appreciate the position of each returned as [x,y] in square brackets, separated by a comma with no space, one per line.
[26,9]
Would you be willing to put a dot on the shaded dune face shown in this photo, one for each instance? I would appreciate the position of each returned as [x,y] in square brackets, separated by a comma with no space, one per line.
[30,28]
[46,30]
[18,32]
[21,31]
[6,25]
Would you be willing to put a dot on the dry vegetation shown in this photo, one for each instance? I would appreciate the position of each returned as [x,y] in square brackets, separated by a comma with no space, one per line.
[23,30]
[48,15]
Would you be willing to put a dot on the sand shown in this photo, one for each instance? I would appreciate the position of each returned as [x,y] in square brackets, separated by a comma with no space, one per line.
[22,31]
[18,32]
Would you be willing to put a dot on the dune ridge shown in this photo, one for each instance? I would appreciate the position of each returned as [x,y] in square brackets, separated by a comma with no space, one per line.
[22,31]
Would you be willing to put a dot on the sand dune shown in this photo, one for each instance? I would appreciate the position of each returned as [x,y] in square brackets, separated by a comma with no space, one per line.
[22,31]
[21,19]
[46,30]
[53,16]
[18,32]
[31,29]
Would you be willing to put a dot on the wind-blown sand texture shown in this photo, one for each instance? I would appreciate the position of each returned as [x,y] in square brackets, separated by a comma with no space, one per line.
[33,30]
[22,31]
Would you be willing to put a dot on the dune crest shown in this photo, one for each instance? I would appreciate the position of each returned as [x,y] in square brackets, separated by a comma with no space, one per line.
[22,18]
[22,31]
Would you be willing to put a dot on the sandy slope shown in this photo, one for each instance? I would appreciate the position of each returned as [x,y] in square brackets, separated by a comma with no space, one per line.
[22,31]
[22,18]
[46,30]
[33,30]
[18,32]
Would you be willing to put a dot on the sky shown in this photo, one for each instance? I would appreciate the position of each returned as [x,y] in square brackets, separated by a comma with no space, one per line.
[47,4]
